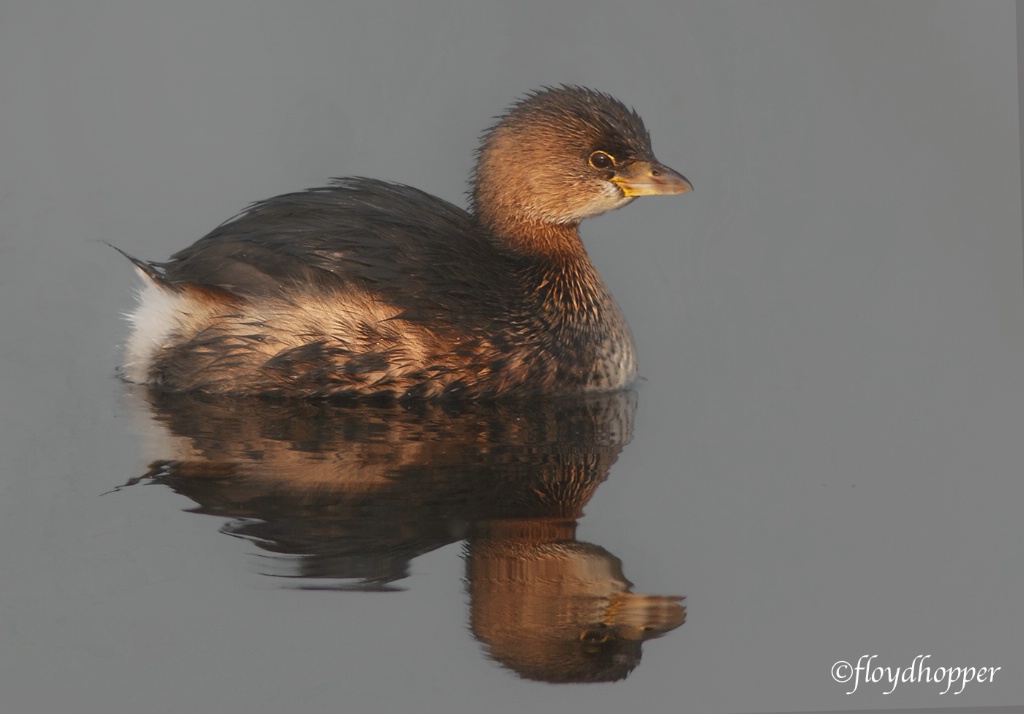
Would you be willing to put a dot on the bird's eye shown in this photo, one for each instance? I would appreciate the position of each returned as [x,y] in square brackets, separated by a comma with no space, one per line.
[594,636]
[601,160]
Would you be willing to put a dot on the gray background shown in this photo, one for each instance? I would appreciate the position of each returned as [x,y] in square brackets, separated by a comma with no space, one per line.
[828,448]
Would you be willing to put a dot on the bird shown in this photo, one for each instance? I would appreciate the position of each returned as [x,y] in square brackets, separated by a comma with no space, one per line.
[365,288]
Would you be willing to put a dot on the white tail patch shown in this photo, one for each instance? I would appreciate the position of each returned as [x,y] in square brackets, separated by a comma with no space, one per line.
[155,320]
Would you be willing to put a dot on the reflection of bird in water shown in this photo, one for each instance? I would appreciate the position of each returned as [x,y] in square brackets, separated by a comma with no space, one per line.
[345,496]
[366,287]
[552,608]
[358,491]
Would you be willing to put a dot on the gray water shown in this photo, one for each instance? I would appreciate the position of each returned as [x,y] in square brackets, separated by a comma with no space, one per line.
[824,457]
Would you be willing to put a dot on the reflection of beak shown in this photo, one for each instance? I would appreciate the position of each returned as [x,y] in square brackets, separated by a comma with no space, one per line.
[643,617]
[645,178]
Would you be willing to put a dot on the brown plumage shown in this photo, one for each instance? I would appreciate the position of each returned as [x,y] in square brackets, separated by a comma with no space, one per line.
[371,288]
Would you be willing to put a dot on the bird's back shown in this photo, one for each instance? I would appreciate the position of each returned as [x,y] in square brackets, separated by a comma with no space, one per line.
[404,246]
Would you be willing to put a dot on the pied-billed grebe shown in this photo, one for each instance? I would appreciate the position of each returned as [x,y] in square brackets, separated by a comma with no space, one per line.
[372,288]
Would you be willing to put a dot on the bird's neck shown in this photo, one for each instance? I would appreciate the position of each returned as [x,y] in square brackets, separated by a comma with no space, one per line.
[530,239]
[554,265]
[567,296]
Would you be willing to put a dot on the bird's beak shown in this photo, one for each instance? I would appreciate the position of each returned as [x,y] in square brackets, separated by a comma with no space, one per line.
[650,178]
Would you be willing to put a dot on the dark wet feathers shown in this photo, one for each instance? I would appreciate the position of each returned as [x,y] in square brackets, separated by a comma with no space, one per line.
[406,246]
